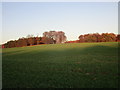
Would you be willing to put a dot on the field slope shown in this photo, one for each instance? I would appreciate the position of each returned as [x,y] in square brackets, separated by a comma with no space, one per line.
[82,65]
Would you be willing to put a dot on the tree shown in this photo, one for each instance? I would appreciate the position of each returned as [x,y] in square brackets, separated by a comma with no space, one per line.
[29,36]
[57,36]
[6,45]
[47,40]
[30,41]
[24,42]
[113,37]
[38,40]
[96,37]
[10,44]
[19,43]
[81,38]
[108,37]
[118,37]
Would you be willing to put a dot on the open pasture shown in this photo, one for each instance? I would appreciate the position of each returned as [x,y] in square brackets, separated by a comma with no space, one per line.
[75,65]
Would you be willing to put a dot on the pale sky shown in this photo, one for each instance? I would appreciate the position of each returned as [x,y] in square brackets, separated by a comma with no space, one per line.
[74,18]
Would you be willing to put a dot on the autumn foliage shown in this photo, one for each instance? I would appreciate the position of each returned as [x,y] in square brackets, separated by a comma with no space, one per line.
[54,37]
[51,37]
[96,37]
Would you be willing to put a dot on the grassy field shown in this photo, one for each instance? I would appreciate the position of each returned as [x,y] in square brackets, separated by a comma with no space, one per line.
[76,65]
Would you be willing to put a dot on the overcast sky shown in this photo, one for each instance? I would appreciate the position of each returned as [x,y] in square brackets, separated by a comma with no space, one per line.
[74,18]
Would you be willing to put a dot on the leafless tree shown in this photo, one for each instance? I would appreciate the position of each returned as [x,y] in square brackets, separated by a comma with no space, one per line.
[57,36]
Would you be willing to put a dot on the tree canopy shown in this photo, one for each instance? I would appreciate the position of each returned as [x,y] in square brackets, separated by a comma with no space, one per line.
[53,37]
[57,36]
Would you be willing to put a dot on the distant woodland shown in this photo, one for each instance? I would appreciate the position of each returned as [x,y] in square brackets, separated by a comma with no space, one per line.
[56,37]
[51,37]
[96,37]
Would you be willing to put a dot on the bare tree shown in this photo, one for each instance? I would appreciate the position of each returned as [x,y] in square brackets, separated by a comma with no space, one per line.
[57,36]
[30,35]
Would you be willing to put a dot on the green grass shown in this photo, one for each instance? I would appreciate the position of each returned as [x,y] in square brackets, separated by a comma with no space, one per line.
[76,65]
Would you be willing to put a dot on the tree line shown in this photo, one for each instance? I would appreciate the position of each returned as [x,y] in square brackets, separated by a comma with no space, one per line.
[54,37]
[51,37]
[96,37]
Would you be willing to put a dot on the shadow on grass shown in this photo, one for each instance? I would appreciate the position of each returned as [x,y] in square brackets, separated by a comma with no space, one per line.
[63,67]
